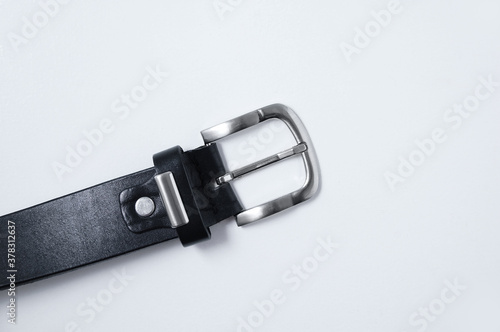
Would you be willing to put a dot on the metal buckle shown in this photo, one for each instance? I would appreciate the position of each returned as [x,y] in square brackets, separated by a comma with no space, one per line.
[304,147]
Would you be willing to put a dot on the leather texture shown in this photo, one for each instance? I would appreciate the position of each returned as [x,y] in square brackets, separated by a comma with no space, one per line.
[97,223]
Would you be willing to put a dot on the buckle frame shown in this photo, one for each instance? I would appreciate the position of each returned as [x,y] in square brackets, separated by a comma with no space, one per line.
[304,147]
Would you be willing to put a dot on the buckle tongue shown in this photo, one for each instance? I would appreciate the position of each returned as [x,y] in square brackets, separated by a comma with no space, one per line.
[304,147]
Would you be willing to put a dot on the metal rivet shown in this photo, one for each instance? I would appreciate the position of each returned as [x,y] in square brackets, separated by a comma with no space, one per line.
[144,206]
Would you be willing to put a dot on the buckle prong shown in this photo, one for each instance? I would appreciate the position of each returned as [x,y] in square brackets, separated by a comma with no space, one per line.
[304,147]
[229,176]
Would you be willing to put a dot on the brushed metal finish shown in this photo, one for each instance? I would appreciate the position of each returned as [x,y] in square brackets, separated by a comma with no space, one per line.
[170,196]
[232,126]
[304,147]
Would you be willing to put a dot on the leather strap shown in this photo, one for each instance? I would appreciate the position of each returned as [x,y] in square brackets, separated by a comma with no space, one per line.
[101,222]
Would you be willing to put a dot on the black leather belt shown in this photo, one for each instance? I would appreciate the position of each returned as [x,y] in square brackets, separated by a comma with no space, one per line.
[184,194]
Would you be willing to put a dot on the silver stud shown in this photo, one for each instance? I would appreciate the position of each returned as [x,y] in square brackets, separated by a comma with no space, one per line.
[144,206]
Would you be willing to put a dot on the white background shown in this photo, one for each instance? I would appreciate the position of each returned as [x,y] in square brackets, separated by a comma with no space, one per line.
[396,248]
